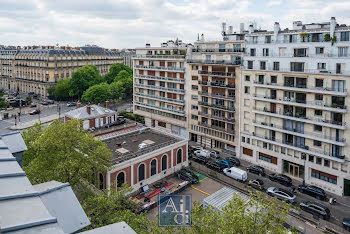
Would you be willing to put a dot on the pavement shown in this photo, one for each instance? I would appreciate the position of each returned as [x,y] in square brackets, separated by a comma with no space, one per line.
[28,124]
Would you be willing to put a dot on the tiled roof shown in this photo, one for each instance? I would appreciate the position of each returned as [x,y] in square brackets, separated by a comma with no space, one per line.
[96,111]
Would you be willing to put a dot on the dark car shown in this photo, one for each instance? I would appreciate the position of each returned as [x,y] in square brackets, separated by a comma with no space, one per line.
[33,105]
[215,166]
[256,170]
[346,223]
[281,179]
[234,161]
[34,112]
[200,158]
[160,184]
[257,184]
[316,209]
[225,163]
[185,174]
[69,104]
[120,120]
[50,101]
[312,191]
[44,103]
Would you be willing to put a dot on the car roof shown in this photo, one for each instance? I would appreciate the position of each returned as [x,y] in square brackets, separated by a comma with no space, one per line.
[317,204]
[287,192]
[316,188]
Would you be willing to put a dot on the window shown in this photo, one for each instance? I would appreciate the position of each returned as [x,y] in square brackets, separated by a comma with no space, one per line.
[120,179]
[250,64]
[153,167]
[273,79]
[194,97]
[194,107]
[164,162]
[326,163]
[300,53]
[318,97]
[243,139]
[311,158]
[194,77]
[264,145]
[317,143]
[162,124]
[319,50]
[162,84]
[343,51]
[319,160]
[179,156]
[318,112]
[141,172]
[194,87]
[194,68]
[338,85]
[194,117]
[265,52]
[319,83]
[321,66]
[208,57]
[266,159]
[276,66]
[252,52]
[172,85]
[268,39]
[282,52]
[246,89]
[262,65]
[344,36]
[298,67]
[318,128]
[247,78]
[324,176]
[254,40]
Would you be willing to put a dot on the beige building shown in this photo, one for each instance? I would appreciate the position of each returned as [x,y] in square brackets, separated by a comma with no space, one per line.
[213,69]
[294,90]
[159,86]
[7,56]
[35,69]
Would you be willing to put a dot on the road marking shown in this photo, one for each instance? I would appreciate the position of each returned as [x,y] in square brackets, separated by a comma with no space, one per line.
[200,190]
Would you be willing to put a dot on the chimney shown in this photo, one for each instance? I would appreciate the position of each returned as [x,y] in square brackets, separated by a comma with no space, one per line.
[251,29]
[241,27]
[78,104]
[88,109]
[202,37]
[333,23]
[107,104]
[223,30]
[230,30]
[276,29]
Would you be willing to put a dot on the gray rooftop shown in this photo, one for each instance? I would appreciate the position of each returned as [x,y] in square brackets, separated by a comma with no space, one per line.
[96,111]
[14,142]
[137,143]
[114,228]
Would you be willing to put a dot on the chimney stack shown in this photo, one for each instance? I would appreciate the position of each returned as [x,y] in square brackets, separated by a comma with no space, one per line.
[241,27]
[107,104]
[88,109]
[333,23]
[276,29]
[78,104]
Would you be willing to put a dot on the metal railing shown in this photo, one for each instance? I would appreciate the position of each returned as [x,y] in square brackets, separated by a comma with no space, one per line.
[291,55]
[216,95]
[160,78]
[217,106]
[309,71]
[216,50]
[160,88]
[159,56]
[231,131]
[161,68]
[221,118]
[160,98]
[160,107]
[220,62]
[217,73]
[217,84]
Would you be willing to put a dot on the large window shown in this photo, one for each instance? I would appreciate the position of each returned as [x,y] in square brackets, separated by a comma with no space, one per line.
[141,172]
[153,167]
[344,36]
[298,67]
[179,156]
[164,162]
[120,179]
[324,176]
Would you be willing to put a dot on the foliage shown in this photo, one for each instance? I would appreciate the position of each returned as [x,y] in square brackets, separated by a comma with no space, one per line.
[259,215]
[3,103]
[28,100]
[116,89]
[132,116]
[127,81]
[84,78]
[64,152]
[334,40]
[115,70]
[112,207]
[304,36]
[97,93]
[327,37]
[62,90]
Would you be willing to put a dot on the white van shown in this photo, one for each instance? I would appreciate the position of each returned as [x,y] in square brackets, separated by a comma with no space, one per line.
[204,153]
[236,173]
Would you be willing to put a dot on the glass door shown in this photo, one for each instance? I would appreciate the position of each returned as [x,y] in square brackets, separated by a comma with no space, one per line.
[293,170]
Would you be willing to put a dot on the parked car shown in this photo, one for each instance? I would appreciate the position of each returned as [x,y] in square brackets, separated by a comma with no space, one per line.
[256,170]
[313,191]
[120,120]
[215,154]
[225,163]
[184,174]
[316,209]
[50,101]
[346,223]
[236,173]
[281,179]
[281,194]
[191,149]
[200,158]
[234,161]
[257,184]
[31,93]
[160,184]
[215,166]
[204,153]
[33,105]
[69,104]
[45,103]
[34,112]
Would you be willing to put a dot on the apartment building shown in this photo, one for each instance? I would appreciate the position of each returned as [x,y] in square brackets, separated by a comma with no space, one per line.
[35,69]
[293,112]
[213,69]
[7,55]
[159,86]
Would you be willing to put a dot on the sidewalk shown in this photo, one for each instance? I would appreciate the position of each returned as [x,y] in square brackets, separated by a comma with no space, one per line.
[28,124]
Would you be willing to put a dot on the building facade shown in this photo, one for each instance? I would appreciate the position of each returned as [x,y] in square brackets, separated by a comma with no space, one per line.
[293,110]
[34,69]
[159,86]
[7,57]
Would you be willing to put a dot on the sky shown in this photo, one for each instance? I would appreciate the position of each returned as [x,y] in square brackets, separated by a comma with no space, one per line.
[133,23]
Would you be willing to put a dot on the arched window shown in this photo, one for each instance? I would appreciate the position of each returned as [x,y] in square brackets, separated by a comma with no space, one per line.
[153,167]
[141,172]
[179,156]
[101,181]
[120,179]
[164,162]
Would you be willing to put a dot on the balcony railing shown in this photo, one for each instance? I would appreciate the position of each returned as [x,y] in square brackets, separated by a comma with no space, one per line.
[217,50]
[309,71]
[299,40]
[160,98]
[160,78]
[216,73]
[159,88]
[159,56]
[221,118]
[204,124]
[219,62]
[216,95]
[217,84]
[160,107]
[216,106]
[161,68]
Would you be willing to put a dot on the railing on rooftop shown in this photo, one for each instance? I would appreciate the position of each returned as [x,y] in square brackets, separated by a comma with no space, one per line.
[218,50]
[219,62]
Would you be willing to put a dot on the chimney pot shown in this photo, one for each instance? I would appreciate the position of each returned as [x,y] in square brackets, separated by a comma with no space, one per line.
[107,104]
[88,109]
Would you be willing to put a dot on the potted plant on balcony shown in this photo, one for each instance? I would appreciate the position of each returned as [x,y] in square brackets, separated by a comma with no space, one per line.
[327,37]
[304,36]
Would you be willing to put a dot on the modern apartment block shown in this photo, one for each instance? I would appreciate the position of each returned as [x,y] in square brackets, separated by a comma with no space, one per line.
[159,86]
[35,69]
[294,94]
[213,69]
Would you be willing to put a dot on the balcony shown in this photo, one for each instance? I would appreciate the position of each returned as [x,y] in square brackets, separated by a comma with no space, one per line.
[303,103]
[214,62]
[224,119]
[216,73]
[160,108]
[160,98]
[204,124]
[232,109]
[306,119]
[304,149]
[161,68]
[217,84]
[301,88]
[216,95]
[159,88]
[218,50]
[305,134]
[160,78]
[143,56]
[303,71]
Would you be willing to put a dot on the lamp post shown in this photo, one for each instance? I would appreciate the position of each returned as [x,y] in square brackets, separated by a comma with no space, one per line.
[59,110]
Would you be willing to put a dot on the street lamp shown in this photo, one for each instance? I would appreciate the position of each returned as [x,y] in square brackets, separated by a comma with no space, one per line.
[59,110]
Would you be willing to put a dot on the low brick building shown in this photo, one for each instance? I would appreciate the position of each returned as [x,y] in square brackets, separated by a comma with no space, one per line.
[143,156]
[93,116]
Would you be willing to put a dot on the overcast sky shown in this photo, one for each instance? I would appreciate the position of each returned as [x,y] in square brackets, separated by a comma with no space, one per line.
[132,23]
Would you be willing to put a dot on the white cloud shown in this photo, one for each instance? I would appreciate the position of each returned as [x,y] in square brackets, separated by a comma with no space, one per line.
[274,3]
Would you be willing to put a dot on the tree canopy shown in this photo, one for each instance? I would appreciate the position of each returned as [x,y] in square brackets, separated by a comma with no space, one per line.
[84,78]
[116,89]
[62,90]
[115,70]
[64,152]
[3,103]
[97,93]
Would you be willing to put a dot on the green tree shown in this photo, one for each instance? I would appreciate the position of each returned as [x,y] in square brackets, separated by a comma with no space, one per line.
[28,100]
[114,71]
[116,89]
[62,90]
[126,80]
[3,103]
[30,136]
[84,78]
[97,93]
[112,207]
[64,152]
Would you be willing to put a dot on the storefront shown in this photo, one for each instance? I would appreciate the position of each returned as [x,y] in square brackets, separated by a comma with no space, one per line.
[293,169]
